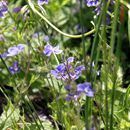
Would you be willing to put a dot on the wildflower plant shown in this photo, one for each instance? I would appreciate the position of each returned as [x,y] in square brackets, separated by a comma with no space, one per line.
[63,65]
[68,73]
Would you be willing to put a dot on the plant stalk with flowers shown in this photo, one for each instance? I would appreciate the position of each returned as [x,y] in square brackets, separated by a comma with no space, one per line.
[68,73]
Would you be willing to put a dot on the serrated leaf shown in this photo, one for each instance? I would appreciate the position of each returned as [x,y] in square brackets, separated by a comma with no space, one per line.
[9,117]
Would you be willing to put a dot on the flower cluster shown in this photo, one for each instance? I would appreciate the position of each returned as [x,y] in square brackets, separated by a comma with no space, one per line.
[3,8]
[98,4]
[66,71]
[12,51]
[41,2]
[14,68]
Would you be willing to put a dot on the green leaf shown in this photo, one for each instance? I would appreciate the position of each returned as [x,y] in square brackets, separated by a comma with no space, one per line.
[124,124]
[45,122]
[65,2]
[9,117]
[127,98]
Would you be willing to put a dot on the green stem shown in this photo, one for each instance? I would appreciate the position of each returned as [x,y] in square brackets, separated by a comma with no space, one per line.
[32,107]
[57,61]
[125,3]
[114,27]
[30,111]
[112,43]
[106,99]
[54,27]
[112,104]
[9,73]
[88,103]
[119,41]
[103,34]
[95,43]
[5,65]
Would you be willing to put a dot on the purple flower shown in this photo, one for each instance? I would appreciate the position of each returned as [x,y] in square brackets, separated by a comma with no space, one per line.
[14,68]
[21,47]
[4,55]
[46,38]
[74,97]
[73,93]
[17,9]
[48,50]
[99,5]
[12,51]
[41,2]
[68,87]
[26,13]
[59,71]
[60,68]
[3,8]
[86,88]
[70,59]
[1,14]
[66,71]
[79,69]
[98,10]
[91,3]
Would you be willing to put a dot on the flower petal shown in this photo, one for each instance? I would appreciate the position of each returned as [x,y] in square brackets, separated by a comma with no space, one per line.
[41,2]
[12,51]
[57,50]
[48,50]
[21,47]
[70,59]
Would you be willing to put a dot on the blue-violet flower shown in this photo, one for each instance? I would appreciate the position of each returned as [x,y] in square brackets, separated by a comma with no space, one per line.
[17,9]
[14,68]
[91,3]
[46,38]
[41,2]
[12,51]
[86,88]
[48,50]
[71,96]
[66,71]
[3,8]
